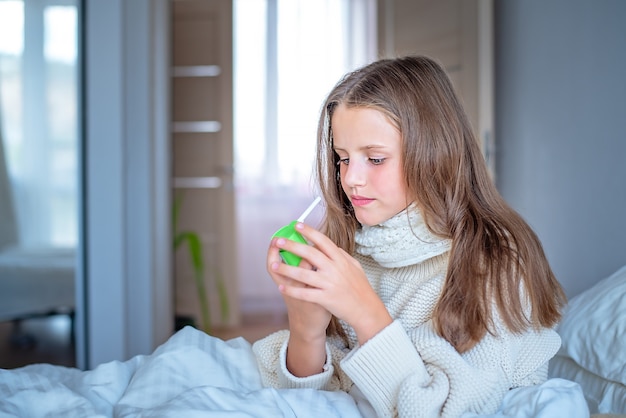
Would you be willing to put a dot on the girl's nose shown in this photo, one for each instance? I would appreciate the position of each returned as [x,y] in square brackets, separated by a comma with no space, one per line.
[354,174]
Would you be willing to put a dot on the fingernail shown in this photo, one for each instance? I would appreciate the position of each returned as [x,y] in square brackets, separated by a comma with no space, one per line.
[281,241]
[300,226]
[274,266]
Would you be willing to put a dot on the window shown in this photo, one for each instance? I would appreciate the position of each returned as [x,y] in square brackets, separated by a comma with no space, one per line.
[288,54]
[38,118]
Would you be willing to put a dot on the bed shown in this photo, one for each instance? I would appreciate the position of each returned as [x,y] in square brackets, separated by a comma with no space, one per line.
[36,282]
[593,351]
[33,281]
[193,374]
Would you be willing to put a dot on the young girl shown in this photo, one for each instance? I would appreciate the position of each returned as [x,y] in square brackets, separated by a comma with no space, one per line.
[423,293]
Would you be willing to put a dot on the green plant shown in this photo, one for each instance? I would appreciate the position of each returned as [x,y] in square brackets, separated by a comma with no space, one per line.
[195,248]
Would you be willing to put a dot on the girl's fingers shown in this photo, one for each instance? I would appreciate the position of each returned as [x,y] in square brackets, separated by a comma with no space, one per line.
[319,240]
[273,262]
[273,255]
[323,254]
[315,256]
[297,275]
[306,294]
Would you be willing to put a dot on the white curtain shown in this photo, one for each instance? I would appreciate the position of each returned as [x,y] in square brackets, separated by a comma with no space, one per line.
[8,233]
[288,55]
[39,108]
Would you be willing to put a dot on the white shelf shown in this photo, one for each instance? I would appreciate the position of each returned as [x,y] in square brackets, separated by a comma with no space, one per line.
[196,126]
[197,182]
[196,71]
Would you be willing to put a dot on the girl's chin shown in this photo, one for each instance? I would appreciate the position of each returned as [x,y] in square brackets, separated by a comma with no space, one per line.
[368,220]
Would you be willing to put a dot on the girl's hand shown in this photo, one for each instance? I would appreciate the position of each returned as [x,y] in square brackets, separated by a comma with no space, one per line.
[306,352]
[337,282]
[306,319]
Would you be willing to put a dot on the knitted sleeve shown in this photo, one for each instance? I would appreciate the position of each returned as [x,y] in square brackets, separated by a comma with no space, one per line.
[419,374]
[271,354]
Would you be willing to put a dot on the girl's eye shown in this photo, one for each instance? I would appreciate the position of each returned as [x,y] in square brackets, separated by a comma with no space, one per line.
[344,161]
[377,161]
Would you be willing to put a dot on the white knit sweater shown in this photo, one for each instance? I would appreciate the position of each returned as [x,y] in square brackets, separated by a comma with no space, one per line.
[408,370]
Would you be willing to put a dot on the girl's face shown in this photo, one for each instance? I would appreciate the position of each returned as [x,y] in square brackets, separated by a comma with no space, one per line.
[370,163]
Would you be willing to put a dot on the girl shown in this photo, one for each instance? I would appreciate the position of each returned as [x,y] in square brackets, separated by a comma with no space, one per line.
[423,293]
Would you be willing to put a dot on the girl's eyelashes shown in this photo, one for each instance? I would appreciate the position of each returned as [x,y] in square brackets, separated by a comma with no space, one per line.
[374,161]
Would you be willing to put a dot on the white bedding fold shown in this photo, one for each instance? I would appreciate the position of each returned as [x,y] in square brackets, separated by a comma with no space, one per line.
[192,374]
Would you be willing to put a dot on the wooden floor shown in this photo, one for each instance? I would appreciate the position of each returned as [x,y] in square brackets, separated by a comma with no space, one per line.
[254,327]
[49,339]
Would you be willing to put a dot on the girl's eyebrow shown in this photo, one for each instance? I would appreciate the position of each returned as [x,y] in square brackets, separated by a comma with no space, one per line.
[366,147]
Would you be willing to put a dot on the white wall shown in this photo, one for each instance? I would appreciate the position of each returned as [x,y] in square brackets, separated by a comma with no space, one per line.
[561,129]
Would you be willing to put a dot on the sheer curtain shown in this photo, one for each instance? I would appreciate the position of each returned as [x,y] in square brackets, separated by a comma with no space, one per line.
[38,142]
[288,55]
[38,104]
[8,228]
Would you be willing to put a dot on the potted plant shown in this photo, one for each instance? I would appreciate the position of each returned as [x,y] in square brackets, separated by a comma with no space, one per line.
[194,245]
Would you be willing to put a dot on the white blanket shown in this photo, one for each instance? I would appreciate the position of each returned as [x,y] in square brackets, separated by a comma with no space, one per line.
[193,373]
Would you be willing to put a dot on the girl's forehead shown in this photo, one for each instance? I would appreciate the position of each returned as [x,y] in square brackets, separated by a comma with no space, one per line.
[363,127]
[372,109]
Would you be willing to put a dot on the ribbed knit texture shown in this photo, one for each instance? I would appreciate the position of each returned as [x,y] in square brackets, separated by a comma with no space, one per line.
[407,370]
[400,241]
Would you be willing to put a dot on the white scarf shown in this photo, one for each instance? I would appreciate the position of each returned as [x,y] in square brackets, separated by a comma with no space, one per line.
[400,241]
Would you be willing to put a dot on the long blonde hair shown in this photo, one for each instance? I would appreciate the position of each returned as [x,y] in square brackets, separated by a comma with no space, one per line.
[495,256]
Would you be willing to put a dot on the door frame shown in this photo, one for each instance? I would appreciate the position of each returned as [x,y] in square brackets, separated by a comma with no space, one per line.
[124,296]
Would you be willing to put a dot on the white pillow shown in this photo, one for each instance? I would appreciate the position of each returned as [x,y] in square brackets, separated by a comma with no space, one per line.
[593,328]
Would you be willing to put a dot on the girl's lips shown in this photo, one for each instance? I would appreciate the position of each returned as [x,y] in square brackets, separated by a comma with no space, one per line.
[360,200]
